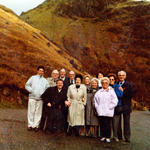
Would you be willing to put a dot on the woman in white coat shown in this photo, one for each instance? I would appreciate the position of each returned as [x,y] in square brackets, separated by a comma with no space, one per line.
[105,102]
[76,101]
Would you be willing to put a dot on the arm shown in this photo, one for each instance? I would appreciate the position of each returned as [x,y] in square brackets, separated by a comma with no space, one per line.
[119,93]
[85,95]
[128,90]
[28,85]
[114,99]
[68,101]
[46,96]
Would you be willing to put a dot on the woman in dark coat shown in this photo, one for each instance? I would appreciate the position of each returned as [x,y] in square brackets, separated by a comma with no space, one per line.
[92,122]
[54,98]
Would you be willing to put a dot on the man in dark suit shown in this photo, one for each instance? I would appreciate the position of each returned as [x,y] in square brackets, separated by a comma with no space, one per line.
[64,78]
[54,98]
[71,79]
[127,105]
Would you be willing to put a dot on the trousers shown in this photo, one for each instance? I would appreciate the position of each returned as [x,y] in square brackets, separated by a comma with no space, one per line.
[34,112]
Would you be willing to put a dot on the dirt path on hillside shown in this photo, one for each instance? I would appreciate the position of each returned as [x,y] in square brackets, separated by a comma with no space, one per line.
[14,135]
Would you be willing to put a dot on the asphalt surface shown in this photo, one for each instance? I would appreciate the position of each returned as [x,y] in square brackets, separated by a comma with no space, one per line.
[14,135]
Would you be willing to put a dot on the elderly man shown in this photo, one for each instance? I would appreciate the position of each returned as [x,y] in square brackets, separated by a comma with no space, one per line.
[126,104]
[64,78]
[71,79]
[54,76]
[54,98]
[36,86]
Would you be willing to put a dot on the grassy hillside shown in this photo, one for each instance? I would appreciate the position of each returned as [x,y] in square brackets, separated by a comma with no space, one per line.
[22,49]
[103,35]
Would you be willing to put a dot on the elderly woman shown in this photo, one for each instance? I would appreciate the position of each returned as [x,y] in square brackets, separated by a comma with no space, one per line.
[119,92]
[76,101]
[99,77]
[87,82]
[105,102]
[92,122]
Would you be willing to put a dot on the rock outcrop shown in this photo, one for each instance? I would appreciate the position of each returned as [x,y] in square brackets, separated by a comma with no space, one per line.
[103,35]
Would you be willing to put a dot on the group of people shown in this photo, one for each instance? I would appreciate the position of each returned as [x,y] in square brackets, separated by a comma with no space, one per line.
[80,105]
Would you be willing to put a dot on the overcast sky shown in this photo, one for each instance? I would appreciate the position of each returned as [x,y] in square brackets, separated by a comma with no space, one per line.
[21,5]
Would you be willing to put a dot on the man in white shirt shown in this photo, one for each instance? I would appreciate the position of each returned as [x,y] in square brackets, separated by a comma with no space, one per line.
[36,85]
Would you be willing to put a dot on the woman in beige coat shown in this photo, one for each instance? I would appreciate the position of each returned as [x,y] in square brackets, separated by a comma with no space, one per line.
[76,101]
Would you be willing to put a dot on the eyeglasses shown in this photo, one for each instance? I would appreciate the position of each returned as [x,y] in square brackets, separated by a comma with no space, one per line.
[104,82]
[111,79]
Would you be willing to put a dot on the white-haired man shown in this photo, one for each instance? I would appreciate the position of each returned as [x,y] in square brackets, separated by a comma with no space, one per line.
[71,79]
[54,76]
[126,105]
[64,78]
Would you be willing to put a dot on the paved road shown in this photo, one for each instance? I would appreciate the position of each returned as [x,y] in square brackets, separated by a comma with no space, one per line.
[14,136]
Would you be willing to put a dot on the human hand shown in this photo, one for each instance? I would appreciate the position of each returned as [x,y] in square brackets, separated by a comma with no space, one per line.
[67,103]
[49,104]
[83,99]
[120,88]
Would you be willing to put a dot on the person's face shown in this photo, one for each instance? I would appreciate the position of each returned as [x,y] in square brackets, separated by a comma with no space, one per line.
[40,72]
[100,75]
[62,74]
[112,80]
[121,77]
[94,84]
[105,84]
[78,81]
[87,81]
[71,76]
[55,75]
[59,85]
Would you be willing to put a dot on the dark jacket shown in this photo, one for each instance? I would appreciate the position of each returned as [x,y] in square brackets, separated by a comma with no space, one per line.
[56,98]
[56,112]
[127,95]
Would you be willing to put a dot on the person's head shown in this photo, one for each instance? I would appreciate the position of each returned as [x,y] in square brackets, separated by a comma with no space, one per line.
[71,75]
[122,75]
[105,82]
[40,70]
[55,74]
[94,83]
[78,79]
[62,73]
[87,80]
[112,78]
[59,84]
[99,75]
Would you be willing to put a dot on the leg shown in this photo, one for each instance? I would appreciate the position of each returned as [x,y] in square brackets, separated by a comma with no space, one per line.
[119,130]
[127,130]
[116,119]
[31,112]
[107,127]
[38,113]
[101,120]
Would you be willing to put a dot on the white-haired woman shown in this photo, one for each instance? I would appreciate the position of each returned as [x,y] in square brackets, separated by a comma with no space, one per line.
[105,101]
[92,122]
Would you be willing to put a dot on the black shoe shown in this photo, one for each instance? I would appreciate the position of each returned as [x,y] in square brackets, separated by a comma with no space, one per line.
[29,128]
[127,140]
[36,129]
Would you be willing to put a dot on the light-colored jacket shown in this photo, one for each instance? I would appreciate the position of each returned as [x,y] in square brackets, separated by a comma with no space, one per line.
[76,110]
[51,82]
[105,102]
[36,85]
